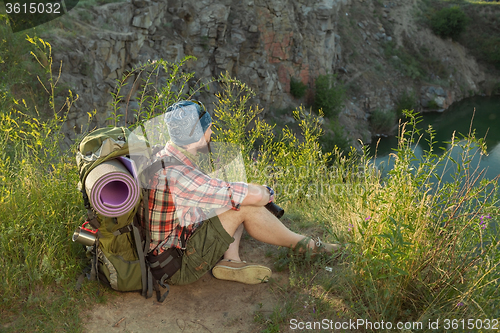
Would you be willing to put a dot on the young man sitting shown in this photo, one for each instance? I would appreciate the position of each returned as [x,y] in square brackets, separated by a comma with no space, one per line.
[181,195]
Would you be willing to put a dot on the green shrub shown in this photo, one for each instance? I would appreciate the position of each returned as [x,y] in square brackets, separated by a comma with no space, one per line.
[407,101]
[335,139]
[329,95]
[382,121]
[421,249]
[490,49]
[297,88]
[449,22]
[287,161]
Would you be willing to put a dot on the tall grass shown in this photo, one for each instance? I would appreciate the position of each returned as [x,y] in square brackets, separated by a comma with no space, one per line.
[420,248]
[283,160]
[15,62]
[40,208]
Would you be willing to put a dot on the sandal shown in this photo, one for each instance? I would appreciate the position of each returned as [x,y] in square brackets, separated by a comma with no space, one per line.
[319,247]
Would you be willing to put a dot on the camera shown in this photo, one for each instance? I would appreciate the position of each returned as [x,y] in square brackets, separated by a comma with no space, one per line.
[275,209]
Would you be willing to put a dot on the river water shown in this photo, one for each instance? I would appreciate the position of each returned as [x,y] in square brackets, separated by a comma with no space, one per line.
[457,118]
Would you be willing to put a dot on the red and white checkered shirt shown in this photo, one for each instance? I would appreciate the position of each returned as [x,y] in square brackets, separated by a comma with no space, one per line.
[180,196]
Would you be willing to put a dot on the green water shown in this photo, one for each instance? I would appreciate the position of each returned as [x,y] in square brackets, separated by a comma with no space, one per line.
[457,118]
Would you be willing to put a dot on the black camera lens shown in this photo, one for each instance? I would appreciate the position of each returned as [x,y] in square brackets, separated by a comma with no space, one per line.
[275,209]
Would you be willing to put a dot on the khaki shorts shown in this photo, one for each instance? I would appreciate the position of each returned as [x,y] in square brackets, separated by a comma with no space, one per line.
[204,249]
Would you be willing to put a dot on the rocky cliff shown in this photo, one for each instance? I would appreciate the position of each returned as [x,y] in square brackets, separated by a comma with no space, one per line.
[264,43]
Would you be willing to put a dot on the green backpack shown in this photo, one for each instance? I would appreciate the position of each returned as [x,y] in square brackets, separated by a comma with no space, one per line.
[120,253]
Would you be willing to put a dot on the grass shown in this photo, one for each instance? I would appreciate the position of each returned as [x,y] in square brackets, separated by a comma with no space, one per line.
[449,22]
[15,62]
[420,248]
[39,211]
[334,138]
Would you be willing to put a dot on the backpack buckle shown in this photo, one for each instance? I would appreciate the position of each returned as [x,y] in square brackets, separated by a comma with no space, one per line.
[163,283]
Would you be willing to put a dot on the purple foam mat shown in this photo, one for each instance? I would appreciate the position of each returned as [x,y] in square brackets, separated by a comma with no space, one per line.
[111,189]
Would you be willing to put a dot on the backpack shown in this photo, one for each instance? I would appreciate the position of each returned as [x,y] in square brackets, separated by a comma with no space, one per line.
[120,252]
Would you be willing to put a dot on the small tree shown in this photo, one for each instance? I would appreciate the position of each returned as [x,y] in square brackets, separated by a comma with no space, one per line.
[449,22]
[329,95]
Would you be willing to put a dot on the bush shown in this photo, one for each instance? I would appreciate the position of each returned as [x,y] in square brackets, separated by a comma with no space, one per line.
[19,71]
[382,121]
[411,61]
[329,95]
[335,139]
[433,105]
[288,161]
[297,88]
[449,22]
[407,101]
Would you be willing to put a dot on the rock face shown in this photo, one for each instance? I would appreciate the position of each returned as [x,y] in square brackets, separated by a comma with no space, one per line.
[435,98]
[264,43]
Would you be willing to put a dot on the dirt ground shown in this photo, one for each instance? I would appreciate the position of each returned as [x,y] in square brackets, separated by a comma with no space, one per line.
[208,305]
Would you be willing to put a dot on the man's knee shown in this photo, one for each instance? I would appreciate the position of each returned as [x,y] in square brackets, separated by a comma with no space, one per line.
[242,212]
[235,216]
[232,219]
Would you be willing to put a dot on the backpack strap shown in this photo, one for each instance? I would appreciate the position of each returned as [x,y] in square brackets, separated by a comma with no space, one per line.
[157,165]
[142,258]
[150,272]
[91,214]
[127,228]
[149,283]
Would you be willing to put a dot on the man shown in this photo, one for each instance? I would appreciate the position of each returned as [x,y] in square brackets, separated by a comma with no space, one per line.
[182,194]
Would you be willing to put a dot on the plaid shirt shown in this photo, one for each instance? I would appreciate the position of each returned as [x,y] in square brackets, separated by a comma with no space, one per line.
[179,197]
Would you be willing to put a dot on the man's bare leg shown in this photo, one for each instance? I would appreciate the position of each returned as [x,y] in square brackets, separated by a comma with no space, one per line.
[233,252]
[261,225]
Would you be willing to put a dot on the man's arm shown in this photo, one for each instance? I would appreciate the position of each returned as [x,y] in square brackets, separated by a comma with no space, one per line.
[194,188]
[257,195]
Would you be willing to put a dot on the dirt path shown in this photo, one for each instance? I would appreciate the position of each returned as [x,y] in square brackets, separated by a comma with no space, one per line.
[208,305]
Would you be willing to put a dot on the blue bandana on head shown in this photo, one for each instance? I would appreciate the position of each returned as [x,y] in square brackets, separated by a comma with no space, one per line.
[184,123]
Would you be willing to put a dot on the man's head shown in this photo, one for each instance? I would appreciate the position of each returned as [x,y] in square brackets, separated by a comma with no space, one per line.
[188,122]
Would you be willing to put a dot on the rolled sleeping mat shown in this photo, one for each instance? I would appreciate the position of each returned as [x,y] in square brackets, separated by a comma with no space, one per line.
[111,188]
